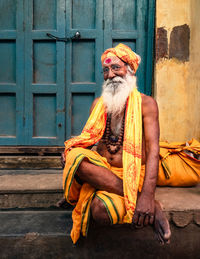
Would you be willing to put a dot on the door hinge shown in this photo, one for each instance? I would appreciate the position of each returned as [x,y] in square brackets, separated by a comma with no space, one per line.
[103,24]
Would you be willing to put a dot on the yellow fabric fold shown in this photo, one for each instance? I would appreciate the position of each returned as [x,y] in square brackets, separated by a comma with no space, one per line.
[176,166]
[132,145]
[132,153]
[82,195]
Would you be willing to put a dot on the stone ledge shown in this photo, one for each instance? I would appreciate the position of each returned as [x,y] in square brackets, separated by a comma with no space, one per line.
[179,199]
[197,218]
[29,162]
[30,199]
[105,242]
[183,218]
[19,223]
[40,189]
[32,180]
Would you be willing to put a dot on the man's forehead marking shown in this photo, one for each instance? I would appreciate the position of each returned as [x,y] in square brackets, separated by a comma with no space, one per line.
[107,60]
[111,59]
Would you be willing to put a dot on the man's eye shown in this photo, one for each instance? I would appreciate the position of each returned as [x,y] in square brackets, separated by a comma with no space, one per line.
[116,67]
[105,69]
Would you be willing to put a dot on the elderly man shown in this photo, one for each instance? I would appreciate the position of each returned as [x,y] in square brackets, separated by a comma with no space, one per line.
[116,183]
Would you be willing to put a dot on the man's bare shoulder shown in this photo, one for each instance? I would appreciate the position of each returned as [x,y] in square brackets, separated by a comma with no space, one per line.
[149,105]
[94,103]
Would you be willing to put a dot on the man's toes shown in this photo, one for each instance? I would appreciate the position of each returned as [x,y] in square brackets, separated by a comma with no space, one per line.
[159,238]
[166,230]
[163,232]
[167,235]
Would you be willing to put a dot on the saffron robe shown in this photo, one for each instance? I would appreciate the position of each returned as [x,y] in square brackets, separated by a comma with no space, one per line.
[132,146]
[82,195]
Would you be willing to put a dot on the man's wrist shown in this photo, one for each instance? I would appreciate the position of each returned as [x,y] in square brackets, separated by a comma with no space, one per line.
[149,186]
[149,193]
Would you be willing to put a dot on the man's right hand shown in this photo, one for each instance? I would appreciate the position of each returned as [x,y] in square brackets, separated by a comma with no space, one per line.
[62,159]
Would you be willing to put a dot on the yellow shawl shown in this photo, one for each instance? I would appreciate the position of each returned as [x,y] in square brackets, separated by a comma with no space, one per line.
[132,145]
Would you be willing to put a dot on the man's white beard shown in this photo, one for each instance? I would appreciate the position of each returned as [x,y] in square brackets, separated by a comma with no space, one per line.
[116,91]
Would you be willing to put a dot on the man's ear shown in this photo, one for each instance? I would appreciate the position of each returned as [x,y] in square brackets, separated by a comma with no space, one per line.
[130,70]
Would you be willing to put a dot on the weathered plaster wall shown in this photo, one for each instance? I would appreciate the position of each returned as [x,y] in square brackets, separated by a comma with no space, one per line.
[194,69]
[177,69]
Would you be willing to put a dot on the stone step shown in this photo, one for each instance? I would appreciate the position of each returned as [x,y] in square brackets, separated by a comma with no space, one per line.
[43,188]
[30,162]
[46,234]
[30,188]
[34,234]
[19,223]
[29,157]
[30,199]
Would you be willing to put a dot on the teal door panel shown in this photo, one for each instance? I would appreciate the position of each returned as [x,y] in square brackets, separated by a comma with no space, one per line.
[44,73]
[83,65]
[131,23]
[11,72]
[46,85]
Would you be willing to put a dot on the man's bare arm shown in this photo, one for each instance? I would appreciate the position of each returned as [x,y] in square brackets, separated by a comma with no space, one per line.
[145,207]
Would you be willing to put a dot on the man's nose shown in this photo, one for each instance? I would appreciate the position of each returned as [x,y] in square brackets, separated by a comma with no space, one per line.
[111,74]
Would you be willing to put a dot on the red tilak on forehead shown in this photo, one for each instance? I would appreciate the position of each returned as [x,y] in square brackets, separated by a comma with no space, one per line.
[108,60]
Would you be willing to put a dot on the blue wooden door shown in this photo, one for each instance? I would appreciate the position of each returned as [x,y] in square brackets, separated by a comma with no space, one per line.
[48,84]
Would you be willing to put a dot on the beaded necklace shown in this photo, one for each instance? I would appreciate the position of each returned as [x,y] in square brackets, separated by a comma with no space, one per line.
[111,139]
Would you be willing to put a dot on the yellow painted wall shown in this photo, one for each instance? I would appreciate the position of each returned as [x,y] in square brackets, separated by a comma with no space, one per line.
[177,84]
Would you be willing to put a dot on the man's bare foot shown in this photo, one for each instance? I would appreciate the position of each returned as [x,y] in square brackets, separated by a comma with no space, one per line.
[62,203]
[161,225]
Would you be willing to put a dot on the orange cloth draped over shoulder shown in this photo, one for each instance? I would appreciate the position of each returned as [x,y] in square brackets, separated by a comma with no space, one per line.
[132,146]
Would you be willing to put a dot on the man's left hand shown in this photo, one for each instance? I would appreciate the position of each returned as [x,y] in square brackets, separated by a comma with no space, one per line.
[144,212]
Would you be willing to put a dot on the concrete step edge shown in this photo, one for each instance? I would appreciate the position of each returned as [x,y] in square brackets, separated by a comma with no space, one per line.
[35,221]
[56,234]
[33,191]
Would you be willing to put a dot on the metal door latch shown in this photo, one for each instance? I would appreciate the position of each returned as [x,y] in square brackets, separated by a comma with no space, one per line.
[76,36]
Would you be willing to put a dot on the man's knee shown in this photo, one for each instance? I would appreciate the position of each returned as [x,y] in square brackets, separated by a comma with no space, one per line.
[99,213]
[83,167]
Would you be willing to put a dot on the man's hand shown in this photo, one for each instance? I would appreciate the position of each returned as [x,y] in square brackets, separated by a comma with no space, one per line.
[62,159]
[144,212]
